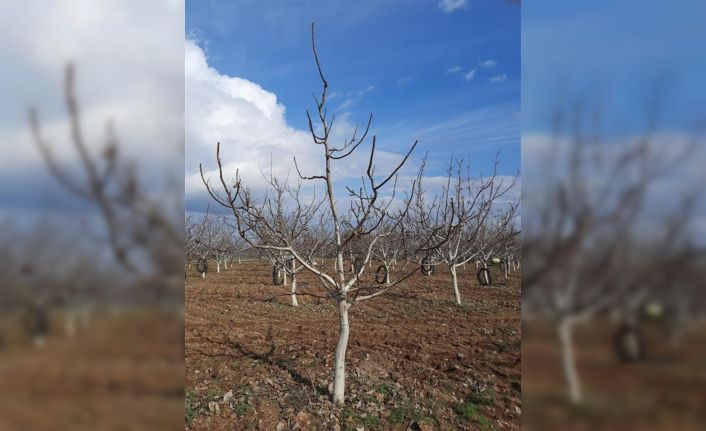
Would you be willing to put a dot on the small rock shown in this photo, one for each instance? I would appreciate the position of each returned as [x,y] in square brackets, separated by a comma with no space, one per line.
[518,410]
[213,407]
[227,396]
[303,420]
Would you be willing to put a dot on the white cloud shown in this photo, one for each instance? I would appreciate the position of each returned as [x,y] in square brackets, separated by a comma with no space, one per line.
[251,125]
[140,90]
[449,6]
[453,69]
[489,64]
[405,80]
[498,78]
[469,75]
[353,97]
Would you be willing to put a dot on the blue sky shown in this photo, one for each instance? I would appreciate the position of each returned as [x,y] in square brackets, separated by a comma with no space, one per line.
[409,62]
[623,53]
[619,57]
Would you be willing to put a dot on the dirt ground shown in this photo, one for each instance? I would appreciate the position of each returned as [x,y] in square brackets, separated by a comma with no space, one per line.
[125,372]
[415,360]
[667,391]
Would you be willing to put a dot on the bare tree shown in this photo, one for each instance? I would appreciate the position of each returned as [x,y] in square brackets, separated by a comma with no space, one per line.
[582,243]
[142,235]
[363,223]
[470,212]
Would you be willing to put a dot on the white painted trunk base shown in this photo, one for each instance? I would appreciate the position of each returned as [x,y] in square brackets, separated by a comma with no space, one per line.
[339,379]
[569,362]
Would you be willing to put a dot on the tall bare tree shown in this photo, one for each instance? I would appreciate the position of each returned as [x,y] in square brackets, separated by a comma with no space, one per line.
[364,222]
[142,233]
[584,237]
[470,212]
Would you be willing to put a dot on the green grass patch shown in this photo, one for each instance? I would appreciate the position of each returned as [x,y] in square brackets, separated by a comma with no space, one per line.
[192,406]
[469,409]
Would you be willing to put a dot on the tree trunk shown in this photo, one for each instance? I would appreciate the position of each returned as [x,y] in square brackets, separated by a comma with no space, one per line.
[454,280]
[387,275]
[70,323]
[505,267]
[294,287]
[569,361]
[218,266]
[339,380]
[203,275]
[225,265]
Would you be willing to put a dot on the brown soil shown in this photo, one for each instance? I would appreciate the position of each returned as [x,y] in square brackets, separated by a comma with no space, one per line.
[414,360]
[125,373]
[666,391]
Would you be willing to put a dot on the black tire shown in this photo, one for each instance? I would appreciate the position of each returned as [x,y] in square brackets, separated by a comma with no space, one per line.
[381,274]
[277,275]
[36,321]
[629,344]
[427,268]
[202,266]
[486,280]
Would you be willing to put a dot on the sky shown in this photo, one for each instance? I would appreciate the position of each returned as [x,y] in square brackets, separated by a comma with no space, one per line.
[446,73]
[620,59]
[126,73]
[624,54]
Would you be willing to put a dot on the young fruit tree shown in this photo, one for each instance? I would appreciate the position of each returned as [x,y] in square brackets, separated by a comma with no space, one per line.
[303,225]
[583,236]
[474,212]
[363,223]
[142,233]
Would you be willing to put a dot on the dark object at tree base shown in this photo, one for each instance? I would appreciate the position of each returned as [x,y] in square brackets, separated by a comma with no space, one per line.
[277,275]
[202,266]
[484,277]
[381,274]
[629,344]
[427,268]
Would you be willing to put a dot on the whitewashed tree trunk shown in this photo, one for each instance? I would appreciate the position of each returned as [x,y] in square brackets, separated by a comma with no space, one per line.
[70,323]
[454,280]
[505,267]
[387,275]
[564,332]
[203,275]
[295,303]
[218,266]
[339,379]
[38,341]
[225,265]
